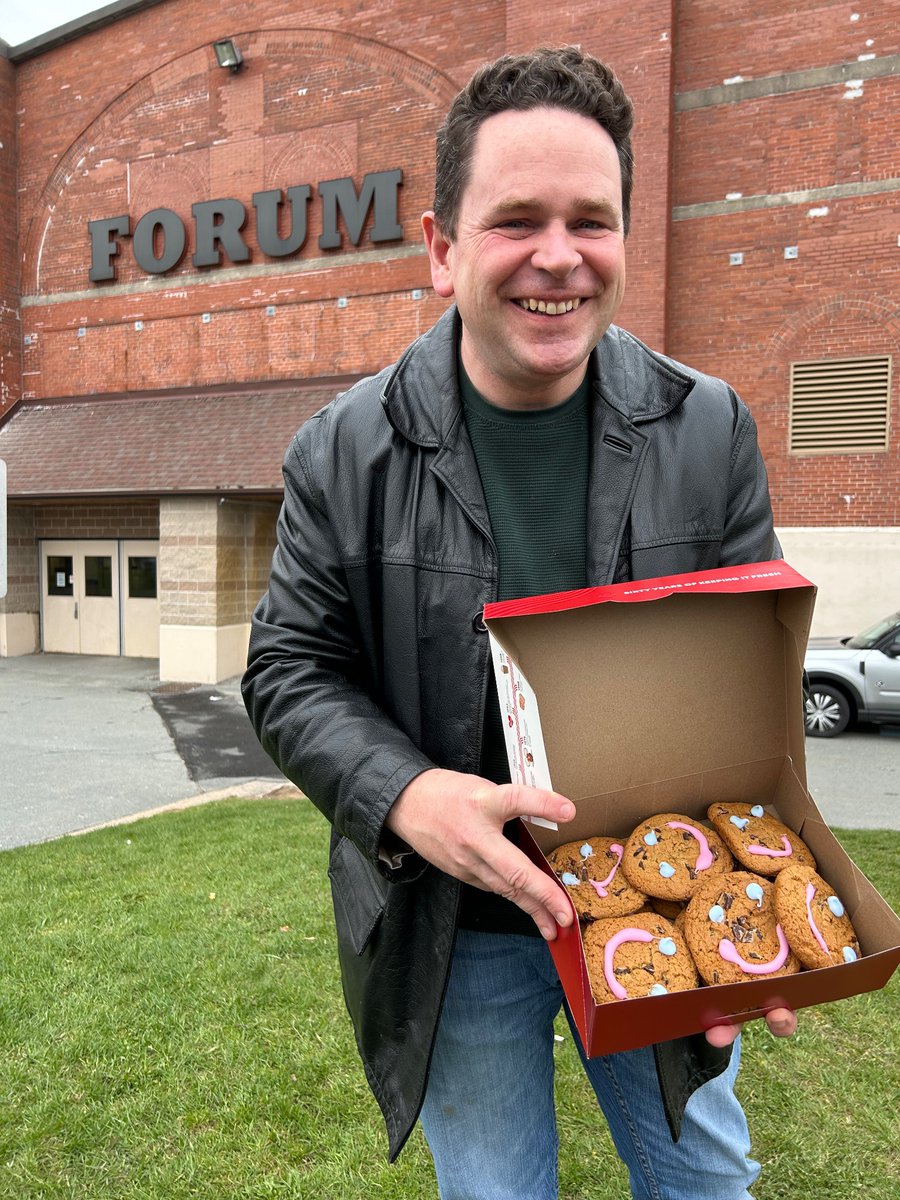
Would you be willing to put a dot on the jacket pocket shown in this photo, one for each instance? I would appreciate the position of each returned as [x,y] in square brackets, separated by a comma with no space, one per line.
[359,894]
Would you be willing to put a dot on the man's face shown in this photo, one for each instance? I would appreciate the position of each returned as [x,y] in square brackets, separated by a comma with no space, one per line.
[537,266]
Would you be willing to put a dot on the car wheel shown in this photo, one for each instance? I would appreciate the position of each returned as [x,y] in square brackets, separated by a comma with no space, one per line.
[827,711]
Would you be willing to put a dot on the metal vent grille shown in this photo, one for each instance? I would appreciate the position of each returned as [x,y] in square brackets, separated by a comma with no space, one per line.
[840,406]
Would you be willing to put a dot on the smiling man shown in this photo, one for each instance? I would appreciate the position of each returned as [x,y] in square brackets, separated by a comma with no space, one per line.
[523,445]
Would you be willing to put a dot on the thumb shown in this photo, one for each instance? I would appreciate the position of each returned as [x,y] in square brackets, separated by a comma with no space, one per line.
[522,801]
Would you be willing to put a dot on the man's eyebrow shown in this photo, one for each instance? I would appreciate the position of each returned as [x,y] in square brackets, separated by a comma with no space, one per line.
[596,205]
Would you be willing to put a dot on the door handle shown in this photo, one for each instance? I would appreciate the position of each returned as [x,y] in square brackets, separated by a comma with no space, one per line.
[76,610]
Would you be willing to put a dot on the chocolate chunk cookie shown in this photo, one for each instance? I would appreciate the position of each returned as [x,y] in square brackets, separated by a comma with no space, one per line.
[814,920]
[589,869]
[732,930]
[667,855]
[638,955]
[759,841]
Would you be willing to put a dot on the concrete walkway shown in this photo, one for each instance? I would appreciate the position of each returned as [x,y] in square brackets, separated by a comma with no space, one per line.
[88,740]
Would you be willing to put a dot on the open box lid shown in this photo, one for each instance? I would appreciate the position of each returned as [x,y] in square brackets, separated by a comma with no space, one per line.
[710,662]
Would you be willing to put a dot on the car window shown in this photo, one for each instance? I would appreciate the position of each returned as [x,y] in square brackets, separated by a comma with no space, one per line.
[869,637]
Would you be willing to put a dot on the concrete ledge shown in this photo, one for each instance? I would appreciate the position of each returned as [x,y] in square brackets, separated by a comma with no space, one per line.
[253,789]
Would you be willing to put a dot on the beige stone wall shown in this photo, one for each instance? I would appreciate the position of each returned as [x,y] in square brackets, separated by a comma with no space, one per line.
[246,542]
[20,607]
[22,565]
[188,553]
[856,571]
[214,564]
[214,556]
[98,519]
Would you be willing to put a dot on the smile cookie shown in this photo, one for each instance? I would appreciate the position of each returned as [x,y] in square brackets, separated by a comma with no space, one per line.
[732,929]
[635,956]
[667,855]
[758,840]
[814,920]
[589,869]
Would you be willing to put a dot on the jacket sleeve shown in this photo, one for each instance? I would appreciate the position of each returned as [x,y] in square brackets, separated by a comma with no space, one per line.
[749,531]
[305,683]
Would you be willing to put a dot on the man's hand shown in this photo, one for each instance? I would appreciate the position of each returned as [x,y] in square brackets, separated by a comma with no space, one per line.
[455,821]
[782,1022]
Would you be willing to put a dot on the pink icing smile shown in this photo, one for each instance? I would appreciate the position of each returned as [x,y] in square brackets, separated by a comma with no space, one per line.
[729,952]
[772,853]
[609,953]
[810,892]
[618,851]
[704,858]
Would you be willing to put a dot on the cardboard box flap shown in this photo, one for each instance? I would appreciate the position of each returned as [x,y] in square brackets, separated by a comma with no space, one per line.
[704,698]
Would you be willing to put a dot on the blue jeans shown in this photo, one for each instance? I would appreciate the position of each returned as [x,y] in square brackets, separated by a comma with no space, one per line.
[489,1116]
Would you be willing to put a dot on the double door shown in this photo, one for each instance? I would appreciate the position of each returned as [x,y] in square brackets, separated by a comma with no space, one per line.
[100,597]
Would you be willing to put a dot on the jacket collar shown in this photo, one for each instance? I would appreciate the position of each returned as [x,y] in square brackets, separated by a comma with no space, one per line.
[421,392]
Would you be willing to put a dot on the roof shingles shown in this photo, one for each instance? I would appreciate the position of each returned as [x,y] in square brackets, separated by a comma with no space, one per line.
[154,445]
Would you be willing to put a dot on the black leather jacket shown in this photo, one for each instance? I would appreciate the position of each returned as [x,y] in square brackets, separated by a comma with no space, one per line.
[368,665]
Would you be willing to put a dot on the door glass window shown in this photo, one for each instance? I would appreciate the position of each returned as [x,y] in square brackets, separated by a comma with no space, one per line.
[97,575]
[142,577]
[60,580]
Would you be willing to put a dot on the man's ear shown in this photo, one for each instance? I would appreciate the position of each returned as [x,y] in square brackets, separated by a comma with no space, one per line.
[439,256]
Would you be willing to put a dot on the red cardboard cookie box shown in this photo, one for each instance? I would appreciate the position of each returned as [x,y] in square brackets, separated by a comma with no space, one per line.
[664,695]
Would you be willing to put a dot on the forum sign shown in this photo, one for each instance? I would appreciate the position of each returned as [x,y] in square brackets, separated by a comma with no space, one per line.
[159,238]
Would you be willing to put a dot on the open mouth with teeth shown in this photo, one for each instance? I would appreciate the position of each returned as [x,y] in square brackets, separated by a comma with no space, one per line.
[550,307]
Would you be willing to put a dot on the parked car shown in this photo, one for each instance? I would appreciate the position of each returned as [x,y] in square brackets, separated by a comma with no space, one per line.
[854,679]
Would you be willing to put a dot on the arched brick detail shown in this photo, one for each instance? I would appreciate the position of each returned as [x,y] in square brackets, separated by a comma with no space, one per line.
[308,79]
[821,315]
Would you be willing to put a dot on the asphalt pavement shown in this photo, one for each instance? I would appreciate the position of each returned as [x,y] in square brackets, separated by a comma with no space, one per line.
[91,740]
[87,740]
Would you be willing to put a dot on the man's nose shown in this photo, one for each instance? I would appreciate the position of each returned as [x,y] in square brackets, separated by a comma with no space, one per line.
[555,251]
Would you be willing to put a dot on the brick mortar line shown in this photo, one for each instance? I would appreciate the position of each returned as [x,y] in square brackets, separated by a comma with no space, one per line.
[837,191]
[223,275]
[785,83]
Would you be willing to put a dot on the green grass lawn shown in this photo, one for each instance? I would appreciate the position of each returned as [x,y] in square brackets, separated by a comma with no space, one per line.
[172,1026]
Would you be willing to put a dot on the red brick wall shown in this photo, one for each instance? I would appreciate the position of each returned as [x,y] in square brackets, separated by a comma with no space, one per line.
[10,330]
[719,39]
[344,89]
[136,116]
[839,297]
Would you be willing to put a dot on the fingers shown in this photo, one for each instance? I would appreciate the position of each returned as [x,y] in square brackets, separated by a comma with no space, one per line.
[722,1035]
[518,801]
[456,821]
[782,1022]
[510,873]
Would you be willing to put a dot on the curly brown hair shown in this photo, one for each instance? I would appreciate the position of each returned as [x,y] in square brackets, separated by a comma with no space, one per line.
[563,77]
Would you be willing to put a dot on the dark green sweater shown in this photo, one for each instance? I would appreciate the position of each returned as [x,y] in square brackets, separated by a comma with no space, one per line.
[534,471]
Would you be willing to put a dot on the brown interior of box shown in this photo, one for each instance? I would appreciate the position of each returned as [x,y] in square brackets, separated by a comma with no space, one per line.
[714,680]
